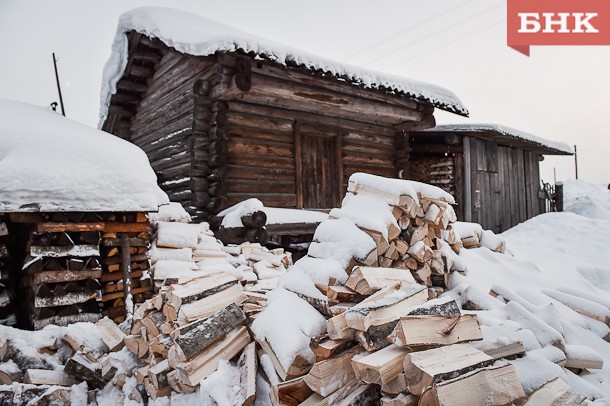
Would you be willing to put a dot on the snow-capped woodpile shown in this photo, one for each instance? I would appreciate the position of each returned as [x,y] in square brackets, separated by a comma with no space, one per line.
[7,312]
[244,221]
[75,265]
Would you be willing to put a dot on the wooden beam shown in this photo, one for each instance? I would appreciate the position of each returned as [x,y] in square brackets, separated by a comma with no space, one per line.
[126,268]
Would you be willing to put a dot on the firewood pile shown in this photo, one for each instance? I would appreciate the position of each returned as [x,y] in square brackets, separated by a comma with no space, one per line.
[135,240]
[350,323]
[7,312]
[75,266]
[388,338]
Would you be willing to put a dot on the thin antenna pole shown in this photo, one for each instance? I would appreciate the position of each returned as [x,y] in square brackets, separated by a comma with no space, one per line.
[61,100]
[554,175]
[576,161]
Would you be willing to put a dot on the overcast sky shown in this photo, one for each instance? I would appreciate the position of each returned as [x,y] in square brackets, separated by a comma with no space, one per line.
[559,93]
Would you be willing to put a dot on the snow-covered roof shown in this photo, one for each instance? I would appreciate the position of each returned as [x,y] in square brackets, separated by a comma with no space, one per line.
[199,36]
[509,134]
[49,163]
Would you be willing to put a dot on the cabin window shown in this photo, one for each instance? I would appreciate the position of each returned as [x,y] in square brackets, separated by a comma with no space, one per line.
[319,174]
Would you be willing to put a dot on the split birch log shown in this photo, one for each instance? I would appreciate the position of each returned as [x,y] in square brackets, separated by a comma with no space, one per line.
[581,306]
[154,392]
[386,309]
[342,294]
[110,366]
[137,345]
[367,280]
[420,251]
[329,348]
[582,357]
[419,331]
[111,334]
[292,392]
[200,367]
[199,288]
[82,369]
[403,201]
[194,337]
[298,367]
[380,367]
[498,385]
[424,368]
[177,385]
[555,393]
[501,349]
[338,329]
[158,374]
[209,305]
[48,377]
[248,364]
[395,386]
[403,399]
[327,376]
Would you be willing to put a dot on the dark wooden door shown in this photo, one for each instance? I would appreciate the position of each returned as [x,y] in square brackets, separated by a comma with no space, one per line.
[320,170]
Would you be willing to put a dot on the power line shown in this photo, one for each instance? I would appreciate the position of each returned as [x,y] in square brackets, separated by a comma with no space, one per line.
[410,28]
[427,37]
[445,44]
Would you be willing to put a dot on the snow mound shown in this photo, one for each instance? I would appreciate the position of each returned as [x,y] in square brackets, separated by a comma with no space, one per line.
[199,36]
[586,199]
[50,163]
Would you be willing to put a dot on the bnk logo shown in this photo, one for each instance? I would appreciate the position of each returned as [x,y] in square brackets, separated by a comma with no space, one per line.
[557,22]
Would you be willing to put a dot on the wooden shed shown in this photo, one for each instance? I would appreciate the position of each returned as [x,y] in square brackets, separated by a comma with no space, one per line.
[492,170]
[74,229]
[224,116]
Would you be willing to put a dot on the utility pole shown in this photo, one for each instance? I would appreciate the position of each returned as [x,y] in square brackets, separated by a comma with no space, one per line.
[61,100]
[576,161]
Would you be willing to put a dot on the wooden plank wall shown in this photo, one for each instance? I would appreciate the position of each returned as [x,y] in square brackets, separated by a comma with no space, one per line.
[504,185]
[162,125]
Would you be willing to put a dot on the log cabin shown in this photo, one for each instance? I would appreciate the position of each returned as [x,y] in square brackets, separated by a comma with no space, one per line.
[73,220]
[225,116]
[491,170]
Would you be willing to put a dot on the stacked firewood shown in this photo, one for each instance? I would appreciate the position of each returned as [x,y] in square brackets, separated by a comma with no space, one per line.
[73,257]
[62,272]
[7,313]
[417,233]
[183,338]
[387,336]
[133,238]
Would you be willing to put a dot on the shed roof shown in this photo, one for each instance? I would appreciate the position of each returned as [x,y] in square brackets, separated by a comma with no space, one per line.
[506,136]
[199,36]
[49,163]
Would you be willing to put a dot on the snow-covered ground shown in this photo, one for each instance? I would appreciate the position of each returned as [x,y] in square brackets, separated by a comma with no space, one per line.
[555,254]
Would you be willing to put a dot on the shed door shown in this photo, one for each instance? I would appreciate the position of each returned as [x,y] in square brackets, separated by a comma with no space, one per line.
[320,170]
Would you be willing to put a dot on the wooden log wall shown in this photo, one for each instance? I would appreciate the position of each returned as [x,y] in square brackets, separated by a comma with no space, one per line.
[163,124]
[224,128]
[284,114]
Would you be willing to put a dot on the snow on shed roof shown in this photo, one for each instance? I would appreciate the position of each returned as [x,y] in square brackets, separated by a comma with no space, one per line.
[540,144]
[199,36]
[49,163]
